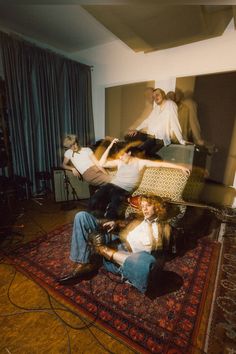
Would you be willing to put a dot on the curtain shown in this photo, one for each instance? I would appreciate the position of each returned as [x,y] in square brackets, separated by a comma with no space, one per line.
[48,96]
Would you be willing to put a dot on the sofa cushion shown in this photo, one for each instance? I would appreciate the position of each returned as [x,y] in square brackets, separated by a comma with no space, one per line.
[161,181]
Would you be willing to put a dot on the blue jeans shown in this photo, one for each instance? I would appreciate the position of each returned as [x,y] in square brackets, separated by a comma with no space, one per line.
[84,223]
[136,268]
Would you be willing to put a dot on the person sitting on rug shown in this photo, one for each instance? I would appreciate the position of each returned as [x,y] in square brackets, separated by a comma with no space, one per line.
[136,253]
[109,197]
[84,163]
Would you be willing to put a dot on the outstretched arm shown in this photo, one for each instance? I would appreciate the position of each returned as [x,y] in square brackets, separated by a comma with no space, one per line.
[96,163]
[150,163]
[103,160]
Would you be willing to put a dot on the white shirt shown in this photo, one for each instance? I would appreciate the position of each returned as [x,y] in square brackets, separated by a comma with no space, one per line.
[81,159]
[163,123]
[140,239]
[128,175]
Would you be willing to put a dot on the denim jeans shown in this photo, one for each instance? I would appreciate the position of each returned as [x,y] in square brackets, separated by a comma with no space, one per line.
[136,268]
[84,223]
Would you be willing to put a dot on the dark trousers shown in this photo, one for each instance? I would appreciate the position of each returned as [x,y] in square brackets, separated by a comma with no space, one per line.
[108,199]
[148,144]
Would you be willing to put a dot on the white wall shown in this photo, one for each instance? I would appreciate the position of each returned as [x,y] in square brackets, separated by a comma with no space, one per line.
[116,64]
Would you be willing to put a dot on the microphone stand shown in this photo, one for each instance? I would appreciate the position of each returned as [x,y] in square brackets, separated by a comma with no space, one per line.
[67,183]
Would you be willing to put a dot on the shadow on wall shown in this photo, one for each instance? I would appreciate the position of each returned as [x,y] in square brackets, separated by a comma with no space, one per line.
[215,95]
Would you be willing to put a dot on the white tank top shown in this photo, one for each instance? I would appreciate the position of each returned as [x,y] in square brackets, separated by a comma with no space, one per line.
[128,176]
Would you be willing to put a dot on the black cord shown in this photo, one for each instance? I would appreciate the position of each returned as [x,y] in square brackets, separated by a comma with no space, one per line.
[86,325]
[53,310]
[27,310]
[81,328]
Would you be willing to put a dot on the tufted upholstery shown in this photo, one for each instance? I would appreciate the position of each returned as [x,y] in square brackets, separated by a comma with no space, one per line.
[161,181]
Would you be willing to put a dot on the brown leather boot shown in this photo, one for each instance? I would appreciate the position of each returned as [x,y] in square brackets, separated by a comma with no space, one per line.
[96,241]
[106,252]
[79,270]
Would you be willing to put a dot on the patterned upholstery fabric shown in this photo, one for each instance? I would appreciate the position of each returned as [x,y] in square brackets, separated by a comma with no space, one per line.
[162,181]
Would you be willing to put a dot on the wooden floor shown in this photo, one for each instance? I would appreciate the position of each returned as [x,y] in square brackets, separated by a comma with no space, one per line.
[28,320]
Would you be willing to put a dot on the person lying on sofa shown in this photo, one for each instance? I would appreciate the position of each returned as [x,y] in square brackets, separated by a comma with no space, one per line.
[136,253]
[84,163]
[109,197]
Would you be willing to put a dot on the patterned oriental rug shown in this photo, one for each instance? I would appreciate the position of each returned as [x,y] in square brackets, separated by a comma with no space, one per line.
[170,323]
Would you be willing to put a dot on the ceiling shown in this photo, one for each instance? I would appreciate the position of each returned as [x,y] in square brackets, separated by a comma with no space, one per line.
[69,28]
[153,26]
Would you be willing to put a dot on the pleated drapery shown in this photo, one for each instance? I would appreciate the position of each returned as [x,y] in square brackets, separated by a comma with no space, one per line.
[48,96]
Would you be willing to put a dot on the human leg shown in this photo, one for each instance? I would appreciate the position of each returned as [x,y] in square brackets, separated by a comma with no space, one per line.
[84,223]
[139,136]
[100,198]
[117,196]
[110,248]
[156,147]
[151,146]
[96,177]
[136,269]
[118,259]
[113,255]
[81,251]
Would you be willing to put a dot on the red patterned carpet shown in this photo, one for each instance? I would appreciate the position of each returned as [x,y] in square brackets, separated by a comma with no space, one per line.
[167,324]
